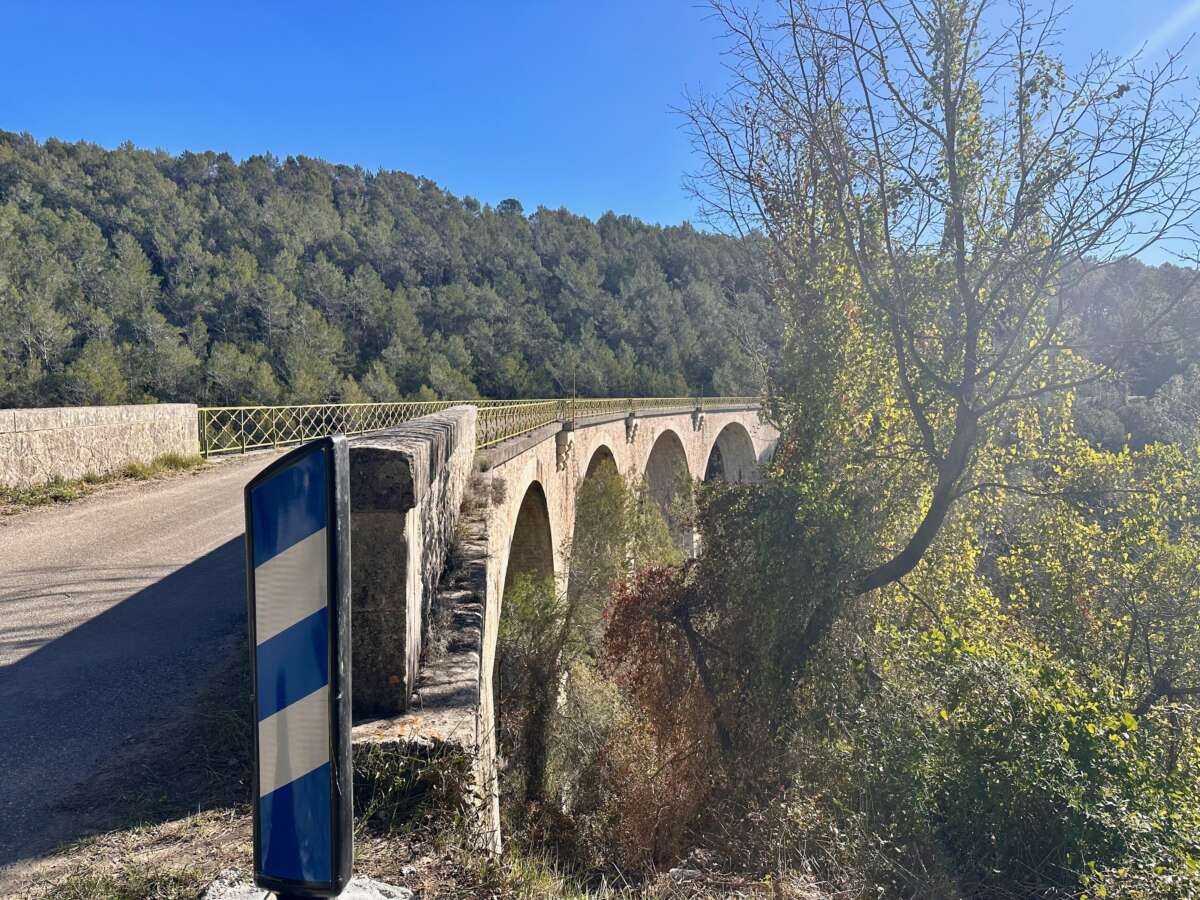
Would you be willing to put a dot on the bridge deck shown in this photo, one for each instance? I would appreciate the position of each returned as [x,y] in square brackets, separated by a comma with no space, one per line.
[116,611]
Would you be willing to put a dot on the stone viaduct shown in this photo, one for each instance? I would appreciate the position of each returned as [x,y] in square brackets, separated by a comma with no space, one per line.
[446,510]
[440,528]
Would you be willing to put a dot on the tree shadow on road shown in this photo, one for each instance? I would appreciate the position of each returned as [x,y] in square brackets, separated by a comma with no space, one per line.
[137,716]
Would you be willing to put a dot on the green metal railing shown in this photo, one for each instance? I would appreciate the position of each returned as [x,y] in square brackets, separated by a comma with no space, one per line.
[237,429]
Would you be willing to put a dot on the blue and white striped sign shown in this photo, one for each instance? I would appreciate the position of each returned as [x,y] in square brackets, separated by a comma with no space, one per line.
[298,556]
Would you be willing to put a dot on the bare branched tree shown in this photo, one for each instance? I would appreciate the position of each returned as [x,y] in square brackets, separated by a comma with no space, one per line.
[968,178]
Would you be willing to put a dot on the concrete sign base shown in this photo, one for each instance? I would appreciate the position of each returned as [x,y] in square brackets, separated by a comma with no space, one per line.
[230,885]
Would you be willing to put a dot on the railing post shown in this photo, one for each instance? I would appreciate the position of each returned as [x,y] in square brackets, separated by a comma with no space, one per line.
[243,430]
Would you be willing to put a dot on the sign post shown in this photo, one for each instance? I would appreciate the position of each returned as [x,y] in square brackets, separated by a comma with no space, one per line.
[298,589]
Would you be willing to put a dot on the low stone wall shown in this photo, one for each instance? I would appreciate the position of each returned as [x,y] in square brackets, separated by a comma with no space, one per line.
[452,715]
[39,445]
[406,487]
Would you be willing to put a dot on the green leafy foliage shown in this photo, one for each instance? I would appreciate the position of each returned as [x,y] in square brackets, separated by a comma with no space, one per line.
[1018,717]
[130,275]
[949,647]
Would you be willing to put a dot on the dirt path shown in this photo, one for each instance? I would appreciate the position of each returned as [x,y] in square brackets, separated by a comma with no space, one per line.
[114,611]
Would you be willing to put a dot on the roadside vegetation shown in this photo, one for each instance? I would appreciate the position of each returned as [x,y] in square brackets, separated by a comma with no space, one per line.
[133,884]
[64,490]
[950,646]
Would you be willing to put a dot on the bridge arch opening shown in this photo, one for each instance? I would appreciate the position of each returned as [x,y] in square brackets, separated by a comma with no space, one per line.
[732,457]
[597,542]
[601,456]
[715,470]
[532,549]
[667,480]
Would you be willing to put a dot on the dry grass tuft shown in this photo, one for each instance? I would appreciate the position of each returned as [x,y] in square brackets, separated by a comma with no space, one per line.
[62,490]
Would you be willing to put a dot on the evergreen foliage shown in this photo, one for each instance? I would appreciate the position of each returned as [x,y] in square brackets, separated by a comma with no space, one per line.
[133,275]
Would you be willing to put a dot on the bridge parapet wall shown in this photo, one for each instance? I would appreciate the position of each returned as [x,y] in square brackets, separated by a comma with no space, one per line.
[406,489]
[39,445]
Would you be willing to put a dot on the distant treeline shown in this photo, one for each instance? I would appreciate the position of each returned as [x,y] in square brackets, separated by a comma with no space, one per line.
[131,275]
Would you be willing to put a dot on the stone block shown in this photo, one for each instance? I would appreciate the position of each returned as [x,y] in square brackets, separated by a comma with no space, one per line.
[89,416]
[381,623]
[231,885]
[41,419]
[43,444]
[406,486]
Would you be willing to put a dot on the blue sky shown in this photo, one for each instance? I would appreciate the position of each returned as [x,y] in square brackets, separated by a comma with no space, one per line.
[561,104]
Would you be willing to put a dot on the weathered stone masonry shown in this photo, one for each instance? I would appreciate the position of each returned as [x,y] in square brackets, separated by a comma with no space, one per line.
[406,488]
[39,445]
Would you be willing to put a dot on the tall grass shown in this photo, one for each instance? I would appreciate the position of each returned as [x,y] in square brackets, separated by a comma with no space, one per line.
[63,490]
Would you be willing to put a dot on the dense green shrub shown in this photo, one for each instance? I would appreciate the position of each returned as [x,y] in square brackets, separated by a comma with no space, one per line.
[1016,718]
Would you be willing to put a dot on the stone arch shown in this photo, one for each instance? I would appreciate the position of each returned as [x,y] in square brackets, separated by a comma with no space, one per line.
[592,539]
[600,455]
[667,473]
[732,457]
[531,549]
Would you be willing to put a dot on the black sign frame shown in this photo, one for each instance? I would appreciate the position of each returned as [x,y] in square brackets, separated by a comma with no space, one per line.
[337,507]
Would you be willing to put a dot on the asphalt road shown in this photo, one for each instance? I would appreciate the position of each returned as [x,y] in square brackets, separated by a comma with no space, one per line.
[113,610]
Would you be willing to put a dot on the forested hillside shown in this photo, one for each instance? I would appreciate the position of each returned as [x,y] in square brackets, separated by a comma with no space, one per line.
[131,275]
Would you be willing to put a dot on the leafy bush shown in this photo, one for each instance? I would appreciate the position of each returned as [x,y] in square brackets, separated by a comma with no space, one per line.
[1023,777]
[991,726]
[579,759]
